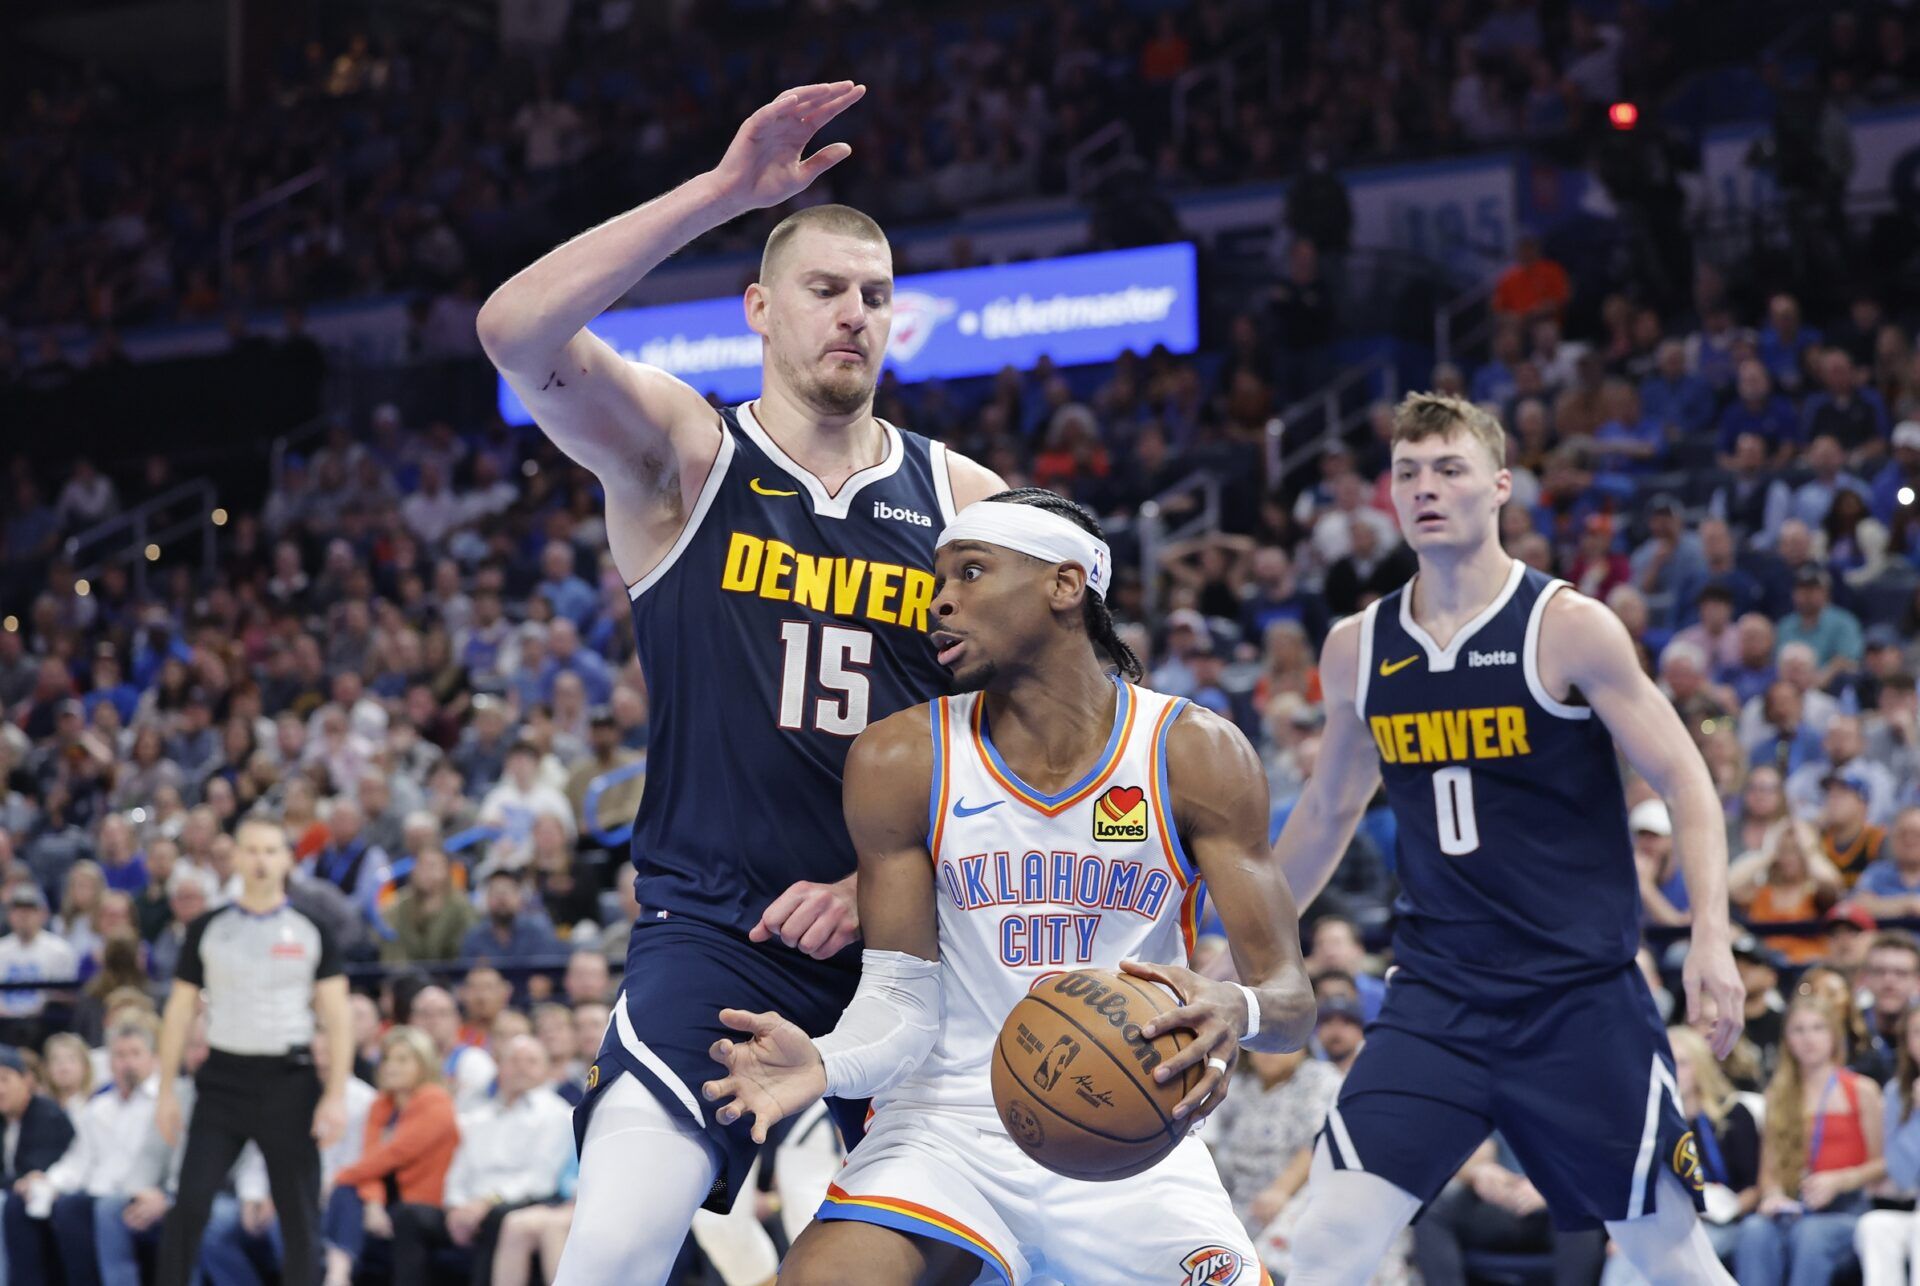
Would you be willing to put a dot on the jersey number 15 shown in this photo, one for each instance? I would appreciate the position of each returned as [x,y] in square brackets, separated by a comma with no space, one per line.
[844,653]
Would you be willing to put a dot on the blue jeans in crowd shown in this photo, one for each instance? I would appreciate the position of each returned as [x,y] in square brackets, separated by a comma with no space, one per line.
[118,1245]
[1796,1250]
[232,1256]
[66,1235]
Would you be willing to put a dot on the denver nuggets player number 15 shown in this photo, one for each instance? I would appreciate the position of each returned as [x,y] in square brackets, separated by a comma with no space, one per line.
[1052,817]
[780,559]
[1491,699]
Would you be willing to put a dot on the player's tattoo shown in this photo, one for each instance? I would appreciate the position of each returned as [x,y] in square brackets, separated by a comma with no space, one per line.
[553,381]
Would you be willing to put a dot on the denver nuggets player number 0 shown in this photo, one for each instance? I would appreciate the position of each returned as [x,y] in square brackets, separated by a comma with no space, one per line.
[780,559]
[1491,700]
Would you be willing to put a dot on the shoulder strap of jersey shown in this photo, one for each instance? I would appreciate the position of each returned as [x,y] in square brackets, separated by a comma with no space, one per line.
[1365,668]
[941,721]
[1530,657]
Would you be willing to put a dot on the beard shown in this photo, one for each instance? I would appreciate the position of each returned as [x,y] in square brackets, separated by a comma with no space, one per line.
[841,390]
[976,679]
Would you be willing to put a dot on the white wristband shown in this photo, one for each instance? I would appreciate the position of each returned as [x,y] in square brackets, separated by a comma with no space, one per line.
[1253,1013]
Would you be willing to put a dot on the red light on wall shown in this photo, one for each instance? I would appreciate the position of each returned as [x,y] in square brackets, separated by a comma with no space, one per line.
[1623,115]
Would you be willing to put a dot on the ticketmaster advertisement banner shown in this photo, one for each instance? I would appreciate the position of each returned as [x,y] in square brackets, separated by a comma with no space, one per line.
[946,325]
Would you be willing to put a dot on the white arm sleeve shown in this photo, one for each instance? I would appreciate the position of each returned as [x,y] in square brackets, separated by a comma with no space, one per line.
[888,1028]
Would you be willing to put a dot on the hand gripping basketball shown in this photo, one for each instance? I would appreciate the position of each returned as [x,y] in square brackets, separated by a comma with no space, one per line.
[773,1075]
[1216,1014]
[763,165]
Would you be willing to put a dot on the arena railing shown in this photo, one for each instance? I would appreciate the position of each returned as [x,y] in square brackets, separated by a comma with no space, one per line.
[1156,529]
[142,535]
[1292,436]
[1450,333]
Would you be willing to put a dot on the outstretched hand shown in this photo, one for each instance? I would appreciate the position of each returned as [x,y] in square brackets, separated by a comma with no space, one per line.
[764,166]
[773,1075]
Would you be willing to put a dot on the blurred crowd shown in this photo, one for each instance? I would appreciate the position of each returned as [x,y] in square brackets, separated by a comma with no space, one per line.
[445,158]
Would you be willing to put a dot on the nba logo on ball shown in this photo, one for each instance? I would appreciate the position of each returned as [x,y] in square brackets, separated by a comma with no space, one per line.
[1121,815]
[1212,1266]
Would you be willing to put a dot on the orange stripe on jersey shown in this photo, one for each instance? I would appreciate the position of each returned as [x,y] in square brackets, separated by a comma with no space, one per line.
[1026,795]
[942,740]
[1162,806]
[1190,915]
[836,1195]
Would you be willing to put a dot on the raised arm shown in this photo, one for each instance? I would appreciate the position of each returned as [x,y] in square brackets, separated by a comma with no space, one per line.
[890,1025]
[1345,776]
[647,436]
[1220,808]
[1583,645]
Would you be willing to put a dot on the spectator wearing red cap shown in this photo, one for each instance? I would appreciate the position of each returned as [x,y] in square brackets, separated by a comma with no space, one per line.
[1850,930]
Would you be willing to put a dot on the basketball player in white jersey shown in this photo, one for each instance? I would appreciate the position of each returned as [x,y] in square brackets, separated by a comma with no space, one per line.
[987,862]
[730,527]
[1496,703]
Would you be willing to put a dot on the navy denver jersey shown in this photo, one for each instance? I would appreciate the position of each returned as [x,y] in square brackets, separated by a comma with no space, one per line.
[1515,863]
[779,625]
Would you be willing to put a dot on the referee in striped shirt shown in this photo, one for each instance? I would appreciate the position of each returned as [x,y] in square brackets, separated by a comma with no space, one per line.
[266,969]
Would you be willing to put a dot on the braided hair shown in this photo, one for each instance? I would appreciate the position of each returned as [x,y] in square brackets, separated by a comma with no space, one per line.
[1098,619]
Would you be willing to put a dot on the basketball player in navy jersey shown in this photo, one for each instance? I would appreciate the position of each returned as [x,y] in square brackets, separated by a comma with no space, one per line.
[780,556]
[1494,701]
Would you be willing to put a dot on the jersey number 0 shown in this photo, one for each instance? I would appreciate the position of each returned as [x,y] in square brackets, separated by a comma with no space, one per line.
[1453,804]
[843,655]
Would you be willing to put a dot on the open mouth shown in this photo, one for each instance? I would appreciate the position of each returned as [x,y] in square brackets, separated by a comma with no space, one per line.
[947,646]
[1428,518]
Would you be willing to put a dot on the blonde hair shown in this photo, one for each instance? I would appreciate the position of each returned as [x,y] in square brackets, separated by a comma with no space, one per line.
[85,868]
[68,1041]
[420,1045]
[838,220]
[1428,415]
[1716,1091]
[1786,1130]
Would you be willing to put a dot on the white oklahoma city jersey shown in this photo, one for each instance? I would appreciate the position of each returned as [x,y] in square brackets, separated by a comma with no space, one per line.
[1030,884]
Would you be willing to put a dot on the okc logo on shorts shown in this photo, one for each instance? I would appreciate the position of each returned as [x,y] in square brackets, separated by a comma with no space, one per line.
[1686,1161]
[1212,1266]
[916,315]
[1121,815]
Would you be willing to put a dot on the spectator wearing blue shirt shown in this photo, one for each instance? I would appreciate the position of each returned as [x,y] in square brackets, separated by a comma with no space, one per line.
[1814,497]
[509,935]
[1853,414]
[565,655]
[1900,474]
[1681,404]
[1723,567]
[1336,945]
[1627,439]
[110,687]
[1832,632]
[1497,381]
[1785,341]
[1754,672]
[1757,409]
[1663,888]
[569,595]
[1668,567]
[1890,887]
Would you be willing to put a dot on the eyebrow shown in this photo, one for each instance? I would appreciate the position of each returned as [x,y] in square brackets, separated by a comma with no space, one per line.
[838,279]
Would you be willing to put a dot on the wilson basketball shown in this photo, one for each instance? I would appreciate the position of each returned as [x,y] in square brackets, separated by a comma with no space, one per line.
[1073,1077]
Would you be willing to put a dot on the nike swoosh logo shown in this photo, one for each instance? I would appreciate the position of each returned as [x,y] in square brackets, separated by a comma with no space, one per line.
[960,808]
[759,490]
[1390,668]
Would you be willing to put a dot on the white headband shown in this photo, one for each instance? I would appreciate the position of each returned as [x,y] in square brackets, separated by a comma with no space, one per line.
[1035,532]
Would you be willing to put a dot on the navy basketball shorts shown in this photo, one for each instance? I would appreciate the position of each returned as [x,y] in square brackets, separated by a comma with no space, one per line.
[1579,1083]
[680,974]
